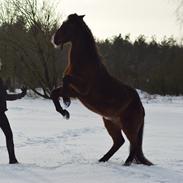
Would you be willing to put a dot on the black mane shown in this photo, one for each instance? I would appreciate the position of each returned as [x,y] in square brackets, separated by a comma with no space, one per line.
[85,34]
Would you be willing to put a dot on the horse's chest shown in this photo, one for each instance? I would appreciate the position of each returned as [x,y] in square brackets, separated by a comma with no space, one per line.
[72,70]
[68,70]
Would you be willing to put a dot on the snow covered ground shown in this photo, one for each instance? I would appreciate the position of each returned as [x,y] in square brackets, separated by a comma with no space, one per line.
[53,150]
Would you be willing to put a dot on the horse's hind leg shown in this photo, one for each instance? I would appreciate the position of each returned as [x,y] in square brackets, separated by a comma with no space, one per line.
[133,129]
[132,155]
[139,156]
[136,153]
[116,135]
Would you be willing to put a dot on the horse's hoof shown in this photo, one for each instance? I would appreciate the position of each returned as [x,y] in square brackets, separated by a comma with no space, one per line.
[102,160]
[66,114]
[13,162]
[67,101]
[127,163]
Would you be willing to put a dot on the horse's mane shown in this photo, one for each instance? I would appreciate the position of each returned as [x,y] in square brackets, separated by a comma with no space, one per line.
[92,47]
[86,35]
[88,41]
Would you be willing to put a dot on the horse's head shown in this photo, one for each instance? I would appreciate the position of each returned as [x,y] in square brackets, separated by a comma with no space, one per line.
[68,30]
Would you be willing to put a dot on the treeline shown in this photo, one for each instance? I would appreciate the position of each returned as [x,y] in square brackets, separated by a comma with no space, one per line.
[30,59]
[155,67]
[26,52]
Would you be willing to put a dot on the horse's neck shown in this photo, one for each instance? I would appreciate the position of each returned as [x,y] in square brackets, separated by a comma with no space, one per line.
[83,52]
[76,53]
[83,57]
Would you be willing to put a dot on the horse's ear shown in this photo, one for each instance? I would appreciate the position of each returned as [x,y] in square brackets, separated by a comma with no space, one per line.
[81,16]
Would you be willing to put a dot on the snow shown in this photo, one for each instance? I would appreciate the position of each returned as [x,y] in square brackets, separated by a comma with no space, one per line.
[52,149]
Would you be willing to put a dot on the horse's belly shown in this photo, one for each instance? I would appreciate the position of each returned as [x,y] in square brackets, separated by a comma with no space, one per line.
[101,107]
[108,103]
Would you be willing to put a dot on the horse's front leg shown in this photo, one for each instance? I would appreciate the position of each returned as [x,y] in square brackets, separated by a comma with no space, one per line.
[66,99]
[76,84]
[55,95]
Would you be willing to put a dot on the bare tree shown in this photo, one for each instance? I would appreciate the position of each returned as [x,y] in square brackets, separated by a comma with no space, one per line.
[31,24]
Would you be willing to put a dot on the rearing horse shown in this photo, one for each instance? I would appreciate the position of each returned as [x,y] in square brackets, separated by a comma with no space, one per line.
[87,79]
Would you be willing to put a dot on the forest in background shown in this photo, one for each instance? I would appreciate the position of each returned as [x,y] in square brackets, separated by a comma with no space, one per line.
[29,58]
[155,67]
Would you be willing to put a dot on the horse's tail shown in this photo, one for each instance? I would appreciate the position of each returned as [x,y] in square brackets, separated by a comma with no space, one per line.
[139,155]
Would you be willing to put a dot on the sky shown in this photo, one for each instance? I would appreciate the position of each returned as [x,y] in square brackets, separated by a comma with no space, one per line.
[107,18]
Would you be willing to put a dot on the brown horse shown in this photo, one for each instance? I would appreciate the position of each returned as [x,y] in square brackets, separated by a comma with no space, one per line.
[87,79]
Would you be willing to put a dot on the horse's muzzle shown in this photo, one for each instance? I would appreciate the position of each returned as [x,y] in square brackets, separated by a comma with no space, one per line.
[55,44]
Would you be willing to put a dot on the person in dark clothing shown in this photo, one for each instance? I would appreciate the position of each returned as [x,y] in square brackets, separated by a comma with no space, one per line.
[4,123]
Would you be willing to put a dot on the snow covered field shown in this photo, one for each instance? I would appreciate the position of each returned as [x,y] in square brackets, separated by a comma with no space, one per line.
[53,150]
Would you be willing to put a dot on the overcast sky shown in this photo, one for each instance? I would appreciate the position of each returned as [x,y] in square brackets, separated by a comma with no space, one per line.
[107,18]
